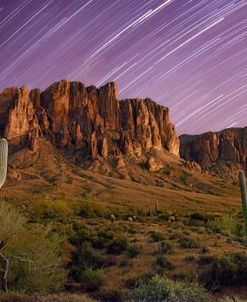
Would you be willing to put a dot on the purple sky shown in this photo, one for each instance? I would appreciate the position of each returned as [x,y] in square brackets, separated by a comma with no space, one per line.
[190,55]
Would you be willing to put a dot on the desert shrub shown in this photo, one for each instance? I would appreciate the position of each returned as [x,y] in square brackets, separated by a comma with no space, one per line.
[33,251]
[165,247]
[113,295]
[161,289]
[200,216]
[84,258]
[141,212]
[201,230]
[86,210]
[228,270]
[198,219]
[47,209]
[144,277]
[80,232]
[157,236]
[189,243]
[204,250]
[205,259]
[117,245]
[98,238]
[189,258]
[63,297]
[92,280]
[91,208]
[226,224]
[174,236]
[164,216]
[101,239]
[87,260]
[187,232]
[163,262]
[132,231]
[133,250]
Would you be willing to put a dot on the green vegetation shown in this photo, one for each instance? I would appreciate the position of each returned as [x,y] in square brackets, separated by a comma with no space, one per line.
[117,245]
[134,250]
[163,262]
[87,251]
[165,247]
[32,252]
[157,236]
[226,224]
[228,270]
[189,243]
[161,289]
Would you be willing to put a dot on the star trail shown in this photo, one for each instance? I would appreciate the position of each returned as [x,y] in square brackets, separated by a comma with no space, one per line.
[189,55]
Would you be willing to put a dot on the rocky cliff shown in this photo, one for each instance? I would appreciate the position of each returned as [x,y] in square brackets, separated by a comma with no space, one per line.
[88,120]
[216,151]
[18,120]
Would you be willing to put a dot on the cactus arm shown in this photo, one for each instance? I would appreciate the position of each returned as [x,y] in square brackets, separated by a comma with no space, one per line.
[3,160]
[243,197]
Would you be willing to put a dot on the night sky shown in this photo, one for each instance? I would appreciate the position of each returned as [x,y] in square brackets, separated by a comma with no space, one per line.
[190,55]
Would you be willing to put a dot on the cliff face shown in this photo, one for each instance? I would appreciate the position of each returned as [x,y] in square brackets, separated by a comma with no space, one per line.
[228,147]
[86,119]
[18,121]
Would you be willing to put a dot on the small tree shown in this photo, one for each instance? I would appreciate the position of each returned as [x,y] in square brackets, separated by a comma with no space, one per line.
[29,254]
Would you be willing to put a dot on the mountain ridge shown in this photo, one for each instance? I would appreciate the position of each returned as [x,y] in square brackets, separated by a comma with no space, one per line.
[221,153]
[95,129]
[90,121]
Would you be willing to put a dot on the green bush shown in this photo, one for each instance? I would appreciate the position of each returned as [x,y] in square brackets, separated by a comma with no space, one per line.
[200,216]
[89,209]
[163,262]
[101,239]
[204,250]
[205,259]
[228,270]
[92,280]
[161,289]
[164,216]
[80,233]
[227,224]
[189,243]
[165,247]
[33,251]
[157,236]
[84,258]
[118,245]
[113,295]
[47,209]
[134,250]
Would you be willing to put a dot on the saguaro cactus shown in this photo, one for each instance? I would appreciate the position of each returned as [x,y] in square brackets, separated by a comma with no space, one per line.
[242,183]
[3,160]
[156,207]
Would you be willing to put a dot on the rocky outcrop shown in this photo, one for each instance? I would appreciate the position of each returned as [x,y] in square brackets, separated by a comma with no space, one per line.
[89,120]
[18,121]
[193,166]
[212,150]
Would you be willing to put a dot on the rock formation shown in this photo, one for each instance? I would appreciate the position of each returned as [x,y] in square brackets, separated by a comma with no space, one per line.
[18,121]
[211,150]
[88,120]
